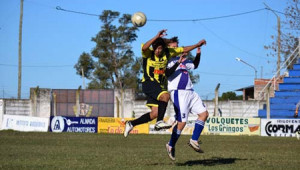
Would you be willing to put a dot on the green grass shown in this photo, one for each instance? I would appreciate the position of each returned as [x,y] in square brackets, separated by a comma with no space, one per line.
[20,150]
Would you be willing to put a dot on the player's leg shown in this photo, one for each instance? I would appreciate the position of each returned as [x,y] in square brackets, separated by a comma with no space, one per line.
[181,108]
[199,126]
[176,132]
[198,108]
[152,90]
[147,117]
[164,98]
[162,105]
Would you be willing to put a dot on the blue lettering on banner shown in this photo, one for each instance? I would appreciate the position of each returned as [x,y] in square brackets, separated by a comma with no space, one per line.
[37,124]
[22,123]
[87,121]
[74,124]
[56,125]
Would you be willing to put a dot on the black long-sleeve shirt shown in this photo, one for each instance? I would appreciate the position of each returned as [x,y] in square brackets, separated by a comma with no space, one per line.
[170,71]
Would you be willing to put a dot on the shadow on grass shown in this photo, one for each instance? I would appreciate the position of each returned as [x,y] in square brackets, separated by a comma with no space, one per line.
[210,162]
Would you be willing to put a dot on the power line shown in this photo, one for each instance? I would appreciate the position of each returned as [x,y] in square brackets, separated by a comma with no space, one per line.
[183,20]
[42,66]
[83,13]
[47,66]
[170,20]
[229,43]
[211,18]
[282,13]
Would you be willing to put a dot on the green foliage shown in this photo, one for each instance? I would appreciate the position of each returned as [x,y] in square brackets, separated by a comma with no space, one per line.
[114,65]
[85,63]
[194,77]
[230,96]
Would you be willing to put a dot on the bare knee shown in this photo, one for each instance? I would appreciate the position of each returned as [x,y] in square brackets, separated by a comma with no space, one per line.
[181,125]
[165,97]
[203,116]
[153,113]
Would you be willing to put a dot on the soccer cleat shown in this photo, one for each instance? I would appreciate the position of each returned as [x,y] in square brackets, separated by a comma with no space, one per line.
[171,152]
[195,145]
[128,128]
[161,125]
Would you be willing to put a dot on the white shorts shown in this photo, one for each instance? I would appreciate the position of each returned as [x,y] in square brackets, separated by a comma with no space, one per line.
[185,102]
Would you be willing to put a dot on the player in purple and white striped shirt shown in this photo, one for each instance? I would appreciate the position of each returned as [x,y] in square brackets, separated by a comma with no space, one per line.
[186,101]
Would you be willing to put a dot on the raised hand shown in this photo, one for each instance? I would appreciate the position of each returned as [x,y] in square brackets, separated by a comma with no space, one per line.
[182,57]
[162,33]
[202,42]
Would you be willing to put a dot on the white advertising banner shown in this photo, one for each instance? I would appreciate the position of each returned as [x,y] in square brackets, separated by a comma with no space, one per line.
[25,123]
[280,127]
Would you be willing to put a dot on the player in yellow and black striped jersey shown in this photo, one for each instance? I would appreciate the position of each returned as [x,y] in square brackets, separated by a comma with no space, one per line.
[154,80]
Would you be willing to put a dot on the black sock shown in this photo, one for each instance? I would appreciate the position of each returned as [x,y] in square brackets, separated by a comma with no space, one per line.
[143,119]
[162,107]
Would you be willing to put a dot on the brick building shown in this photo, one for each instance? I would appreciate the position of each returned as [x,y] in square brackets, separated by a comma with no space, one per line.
[255,92]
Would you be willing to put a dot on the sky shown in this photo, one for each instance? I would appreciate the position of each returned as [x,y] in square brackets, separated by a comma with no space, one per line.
[53,40]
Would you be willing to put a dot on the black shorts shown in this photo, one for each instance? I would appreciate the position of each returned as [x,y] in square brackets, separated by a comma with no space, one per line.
[153,90]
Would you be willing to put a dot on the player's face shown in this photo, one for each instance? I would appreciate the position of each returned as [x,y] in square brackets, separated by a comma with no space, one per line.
[173,44]
[159,51]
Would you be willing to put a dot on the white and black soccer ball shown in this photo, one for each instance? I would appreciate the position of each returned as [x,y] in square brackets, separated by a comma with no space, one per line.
[138,19]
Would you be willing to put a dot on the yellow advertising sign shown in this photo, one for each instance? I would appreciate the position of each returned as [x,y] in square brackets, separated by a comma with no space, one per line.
[116,125]
[232,126]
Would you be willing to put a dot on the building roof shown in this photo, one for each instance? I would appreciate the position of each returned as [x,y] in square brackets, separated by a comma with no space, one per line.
[245,88]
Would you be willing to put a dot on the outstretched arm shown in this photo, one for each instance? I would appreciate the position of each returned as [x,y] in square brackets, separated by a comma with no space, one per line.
[171,70]
[191,47]
[197,58]
[161,33]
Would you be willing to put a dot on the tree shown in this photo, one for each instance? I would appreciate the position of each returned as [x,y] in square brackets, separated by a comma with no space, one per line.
[115,66]
[86,63]
[289,32]
[230,96]
[194,77]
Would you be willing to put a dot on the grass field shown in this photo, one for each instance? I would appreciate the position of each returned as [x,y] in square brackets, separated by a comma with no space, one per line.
[20,150]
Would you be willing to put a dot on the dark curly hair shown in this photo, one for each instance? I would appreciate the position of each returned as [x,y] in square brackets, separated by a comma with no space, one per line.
[171,40]
[159,42]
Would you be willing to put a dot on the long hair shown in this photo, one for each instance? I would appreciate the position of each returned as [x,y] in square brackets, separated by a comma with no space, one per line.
[159,42]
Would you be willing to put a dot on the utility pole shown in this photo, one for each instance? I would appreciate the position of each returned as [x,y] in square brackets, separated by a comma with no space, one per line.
[278,40]
[216,100]
[20,50]
[279,46]
[82,75]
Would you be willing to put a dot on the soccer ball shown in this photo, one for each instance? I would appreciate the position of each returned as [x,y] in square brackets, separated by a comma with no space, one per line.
[138,19]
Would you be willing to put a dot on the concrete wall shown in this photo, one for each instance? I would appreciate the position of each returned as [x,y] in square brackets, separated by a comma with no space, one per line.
[128,106]
[39,105]
[17,107]
[1,111]
[40,101]
[233,108]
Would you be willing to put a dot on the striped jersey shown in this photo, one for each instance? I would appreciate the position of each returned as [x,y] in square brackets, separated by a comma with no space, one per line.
[180,79]
[154,67]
